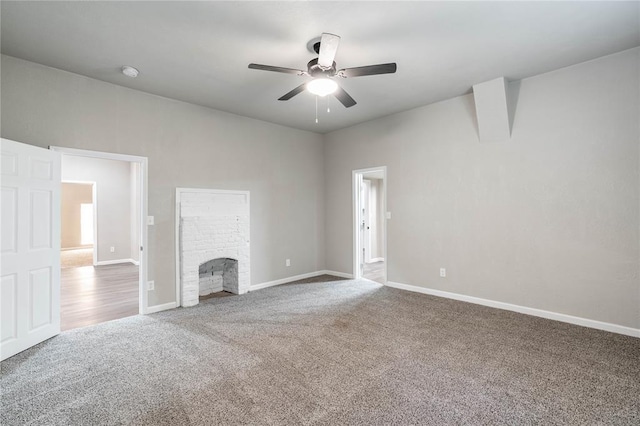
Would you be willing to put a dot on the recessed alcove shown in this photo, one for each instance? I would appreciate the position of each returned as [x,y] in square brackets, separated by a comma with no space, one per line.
[217,275]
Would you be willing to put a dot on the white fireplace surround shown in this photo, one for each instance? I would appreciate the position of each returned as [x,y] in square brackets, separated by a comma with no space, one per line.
[211,224]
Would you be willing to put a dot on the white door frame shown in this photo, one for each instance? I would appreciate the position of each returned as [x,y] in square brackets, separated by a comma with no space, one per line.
[94,197]
[357,176]
[143,162]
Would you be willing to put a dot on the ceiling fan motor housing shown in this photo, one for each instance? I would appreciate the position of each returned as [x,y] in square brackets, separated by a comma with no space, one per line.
[316,70]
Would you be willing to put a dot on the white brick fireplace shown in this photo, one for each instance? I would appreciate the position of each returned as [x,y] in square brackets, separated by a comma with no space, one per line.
[212,237]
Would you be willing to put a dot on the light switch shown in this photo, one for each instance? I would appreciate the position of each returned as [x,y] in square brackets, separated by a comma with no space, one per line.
[388,215]
[150,220]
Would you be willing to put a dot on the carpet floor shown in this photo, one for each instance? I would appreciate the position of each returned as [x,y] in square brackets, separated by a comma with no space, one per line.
[76,258]
[326,353]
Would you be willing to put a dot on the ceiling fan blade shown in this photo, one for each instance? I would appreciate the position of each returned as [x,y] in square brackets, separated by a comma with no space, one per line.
[389,68]
[276,69]
[328,49]
[344,97]
[292,93]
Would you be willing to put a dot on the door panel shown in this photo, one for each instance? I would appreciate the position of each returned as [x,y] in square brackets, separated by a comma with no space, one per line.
[40,223]
[41,168]
[9,219]
[30,267]
[40,289]
[9,305]
[9,164]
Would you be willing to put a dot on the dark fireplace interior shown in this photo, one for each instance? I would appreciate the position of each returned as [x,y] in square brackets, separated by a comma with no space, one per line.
[218,277]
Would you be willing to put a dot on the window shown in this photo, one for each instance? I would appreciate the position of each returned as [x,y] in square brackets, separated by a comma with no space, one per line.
[86,224]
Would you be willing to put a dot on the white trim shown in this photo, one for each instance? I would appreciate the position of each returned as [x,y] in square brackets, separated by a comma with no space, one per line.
[94,200]
[298,277]
[144,240]
[376,259]
[135,262]
[356,176]
[143,257]
[98,154]
[176,220]
[355,187]
[87,247]
[337,274]
[164,307]
[116,261]
[214,191]
[614,328]
[284,280]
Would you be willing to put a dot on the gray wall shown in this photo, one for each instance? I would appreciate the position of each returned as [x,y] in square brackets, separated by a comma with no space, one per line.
[187,146]
[113,193]
[549,220]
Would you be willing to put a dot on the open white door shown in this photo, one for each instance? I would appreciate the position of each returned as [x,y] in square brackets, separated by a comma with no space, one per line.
[366,221]
[30,244]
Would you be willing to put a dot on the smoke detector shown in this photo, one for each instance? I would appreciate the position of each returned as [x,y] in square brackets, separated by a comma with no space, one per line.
[130,71]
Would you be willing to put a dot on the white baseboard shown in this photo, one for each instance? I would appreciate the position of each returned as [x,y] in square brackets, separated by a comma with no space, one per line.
[116,261]
[614,328]
[284,280]
[76,248]
[164,307]
[376,259]
[298,277]
[337,274]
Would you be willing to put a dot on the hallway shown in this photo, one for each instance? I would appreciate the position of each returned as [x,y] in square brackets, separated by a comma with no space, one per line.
[374,271]
[91,295]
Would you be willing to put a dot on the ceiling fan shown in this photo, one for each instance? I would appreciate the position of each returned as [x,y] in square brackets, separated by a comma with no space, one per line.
[323,69]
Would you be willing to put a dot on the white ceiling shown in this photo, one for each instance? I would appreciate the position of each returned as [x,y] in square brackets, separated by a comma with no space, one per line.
[199,51]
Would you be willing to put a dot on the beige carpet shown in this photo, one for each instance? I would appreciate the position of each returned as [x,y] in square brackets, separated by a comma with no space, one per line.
[332,353]
[76,258]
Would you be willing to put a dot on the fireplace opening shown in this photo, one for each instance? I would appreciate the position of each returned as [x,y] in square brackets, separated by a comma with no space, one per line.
[218,277]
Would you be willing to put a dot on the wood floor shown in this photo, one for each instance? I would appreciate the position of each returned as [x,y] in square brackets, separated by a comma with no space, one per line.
[374,271]
[91,295]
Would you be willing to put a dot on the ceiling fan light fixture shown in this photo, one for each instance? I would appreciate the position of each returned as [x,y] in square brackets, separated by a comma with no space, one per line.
[322,86]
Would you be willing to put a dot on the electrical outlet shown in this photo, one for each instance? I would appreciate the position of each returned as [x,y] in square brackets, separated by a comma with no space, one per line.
[150,220]
[388,215]
[151,285]
[288,262]
[112,249]
[443,272]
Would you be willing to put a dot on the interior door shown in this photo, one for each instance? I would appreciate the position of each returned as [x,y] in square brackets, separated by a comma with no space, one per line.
[366,220]
[30,246]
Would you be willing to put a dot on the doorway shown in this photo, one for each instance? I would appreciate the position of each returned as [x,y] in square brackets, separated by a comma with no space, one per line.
[103,261]
[369,224]
[78,231]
